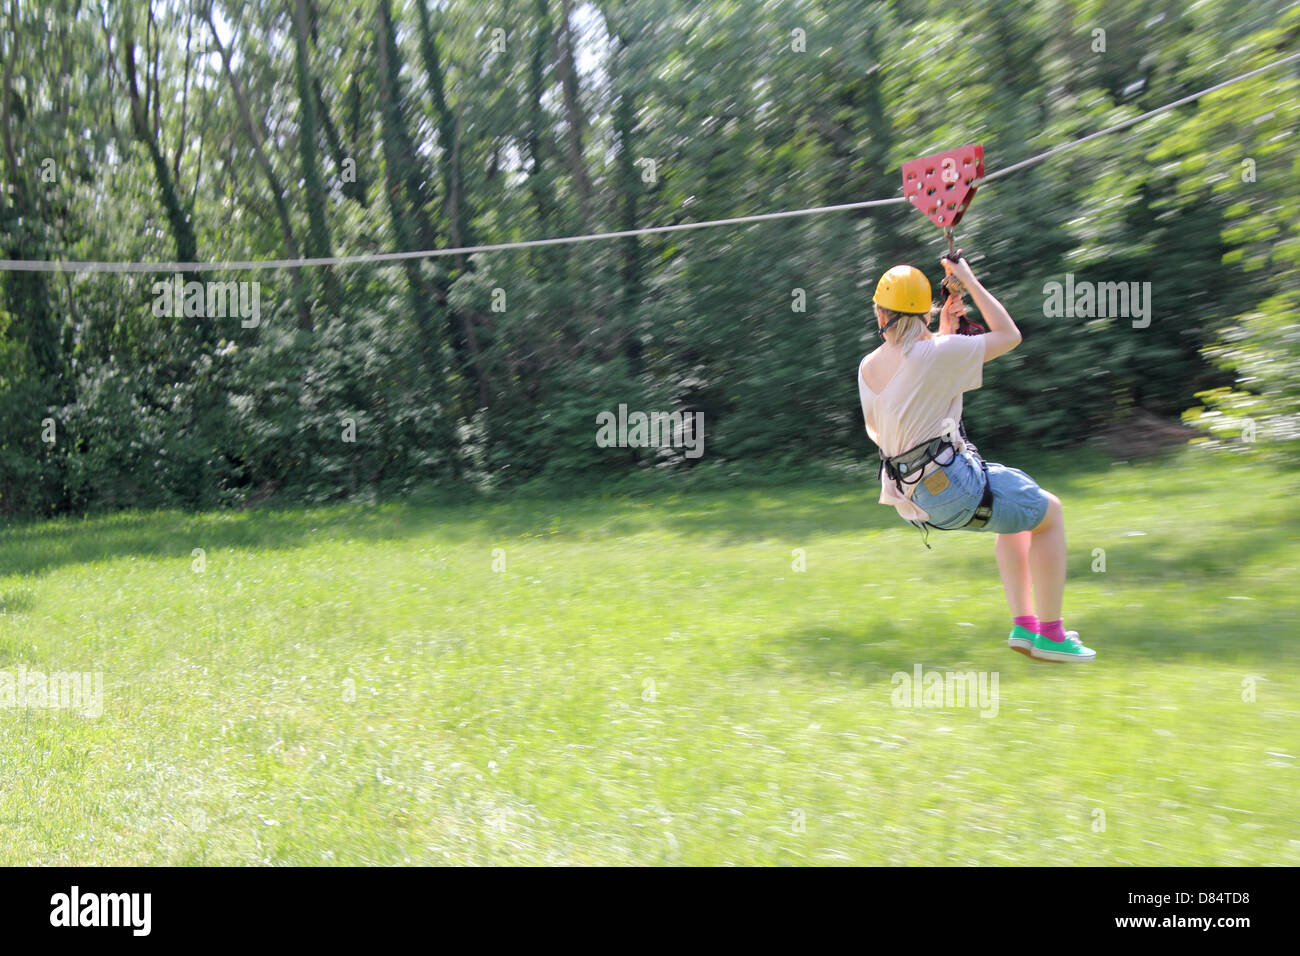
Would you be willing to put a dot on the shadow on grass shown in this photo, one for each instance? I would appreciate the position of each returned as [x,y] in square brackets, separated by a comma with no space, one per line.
[740,515]
[782,512]
[36,548]
[16,602]
[882,648]
[1226,551]
[876,653]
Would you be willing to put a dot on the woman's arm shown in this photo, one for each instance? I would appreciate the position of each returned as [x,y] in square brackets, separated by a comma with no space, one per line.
[1002,335]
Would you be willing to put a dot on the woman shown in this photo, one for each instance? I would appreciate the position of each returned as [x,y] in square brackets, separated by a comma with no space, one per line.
[911,389]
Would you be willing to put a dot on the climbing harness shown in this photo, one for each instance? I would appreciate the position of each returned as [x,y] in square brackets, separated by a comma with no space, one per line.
[912,462]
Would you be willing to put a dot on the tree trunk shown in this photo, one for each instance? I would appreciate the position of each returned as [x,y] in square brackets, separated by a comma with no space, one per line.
[406,169]
[187,249]
[317,197]
[576,122]
[272,180]
[27,293]
[404,232]
[538,183]
[448,134]
[628,191]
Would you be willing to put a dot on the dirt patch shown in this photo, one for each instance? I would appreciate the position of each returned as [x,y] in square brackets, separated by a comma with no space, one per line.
[1141,434]
[263,494]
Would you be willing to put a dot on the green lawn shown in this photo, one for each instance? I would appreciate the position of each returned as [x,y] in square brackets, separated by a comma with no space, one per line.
[650,681]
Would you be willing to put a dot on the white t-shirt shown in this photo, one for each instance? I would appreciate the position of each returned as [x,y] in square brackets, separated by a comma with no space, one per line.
[920,402]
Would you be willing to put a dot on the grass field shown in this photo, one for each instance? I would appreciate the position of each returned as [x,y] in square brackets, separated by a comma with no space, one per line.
[650,680]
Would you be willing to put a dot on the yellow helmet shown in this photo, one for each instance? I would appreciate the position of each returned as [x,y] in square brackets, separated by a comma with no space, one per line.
[903,289]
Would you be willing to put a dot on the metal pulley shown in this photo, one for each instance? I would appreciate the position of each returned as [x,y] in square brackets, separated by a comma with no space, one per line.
[951,284]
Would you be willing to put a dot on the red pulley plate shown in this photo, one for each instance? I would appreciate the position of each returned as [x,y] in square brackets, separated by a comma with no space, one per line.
[942,185]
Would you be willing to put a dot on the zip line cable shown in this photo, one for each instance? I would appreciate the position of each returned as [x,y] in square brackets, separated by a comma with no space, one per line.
[47,265]
[1125,124]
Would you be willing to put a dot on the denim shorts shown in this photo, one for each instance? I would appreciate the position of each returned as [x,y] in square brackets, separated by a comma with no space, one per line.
[1018,503]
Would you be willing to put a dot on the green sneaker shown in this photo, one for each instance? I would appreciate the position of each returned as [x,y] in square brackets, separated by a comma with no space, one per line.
[1021,639]
[1070,650]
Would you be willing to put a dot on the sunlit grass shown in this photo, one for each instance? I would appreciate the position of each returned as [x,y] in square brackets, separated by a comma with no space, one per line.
[649,680]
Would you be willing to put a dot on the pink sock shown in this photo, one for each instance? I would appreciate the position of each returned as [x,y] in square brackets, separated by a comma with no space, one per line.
[1052,630]
[1028,621]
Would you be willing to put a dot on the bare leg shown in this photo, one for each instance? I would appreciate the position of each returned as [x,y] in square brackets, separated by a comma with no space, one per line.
[1047,561]
[1013,565]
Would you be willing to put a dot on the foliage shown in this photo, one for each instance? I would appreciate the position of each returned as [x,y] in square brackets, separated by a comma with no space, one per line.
[277,130]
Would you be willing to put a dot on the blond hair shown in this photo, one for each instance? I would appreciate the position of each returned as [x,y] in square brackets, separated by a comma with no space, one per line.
[909,329]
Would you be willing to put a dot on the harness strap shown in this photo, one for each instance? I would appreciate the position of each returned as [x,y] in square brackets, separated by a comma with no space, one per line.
[897,316]
[984,510]
[913,461]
